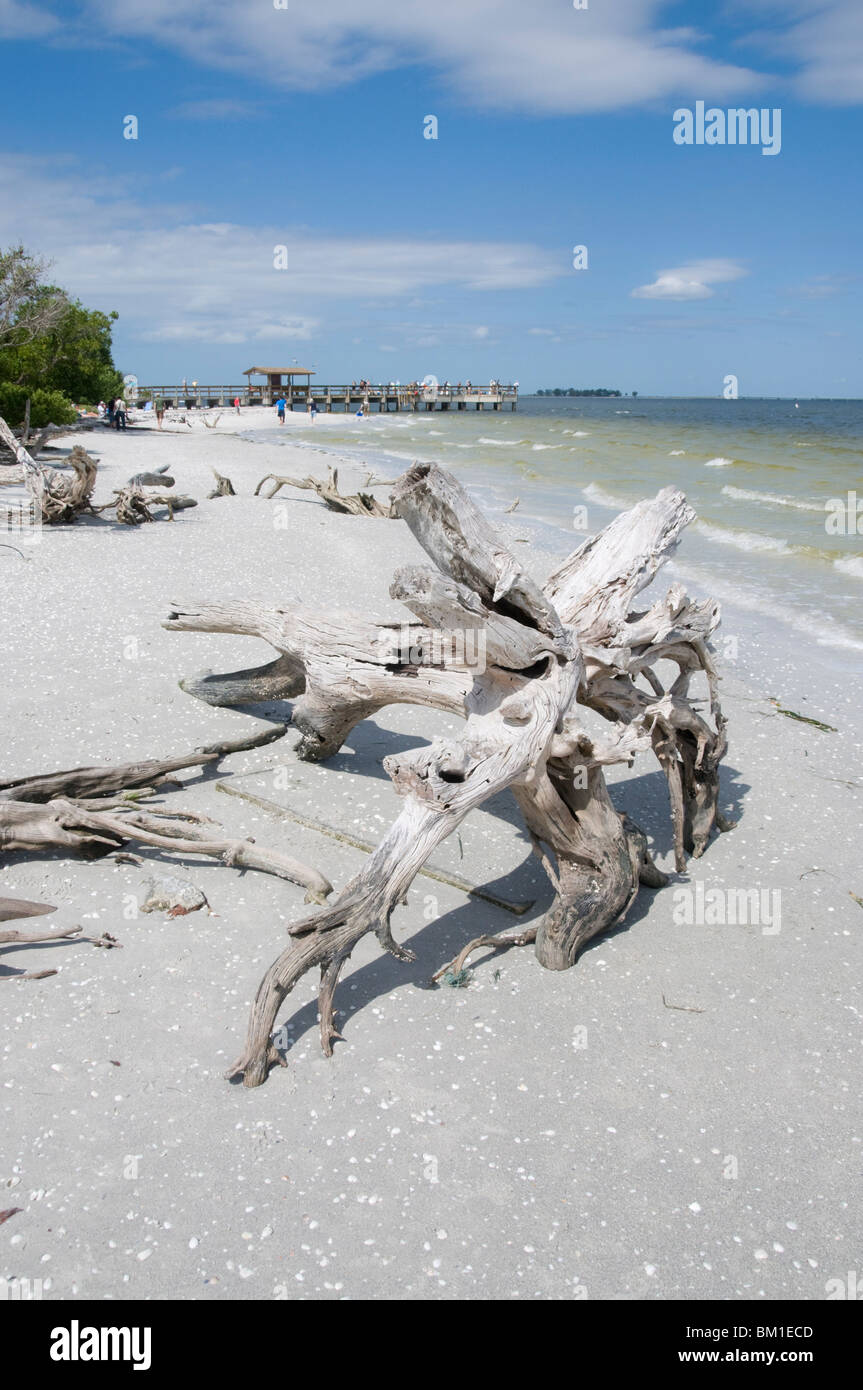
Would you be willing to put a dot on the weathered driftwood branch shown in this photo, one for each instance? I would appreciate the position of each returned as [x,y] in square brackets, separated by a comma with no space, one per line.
[88,782]
[356,503]
[80,811]
[11,908]
[519,663]
[133,504]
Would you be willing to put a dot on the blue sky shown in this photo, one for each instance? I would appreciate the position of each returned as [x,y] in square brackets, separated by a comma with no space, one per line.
[303,127]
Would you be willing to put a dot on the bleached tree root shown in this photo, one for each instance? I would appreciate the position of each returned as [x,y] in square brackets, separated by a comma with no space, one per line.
[61,497]
[81,782]
[81,811]
[544,654]
[281,679]
[58,496]
[355,504]
[501,941]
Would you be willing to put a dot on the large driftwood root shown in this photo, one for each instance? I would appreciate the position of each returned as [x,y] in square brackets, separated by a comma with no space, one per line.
[61,496]
[522,665]
[356,503]
[94,811]
[58,496]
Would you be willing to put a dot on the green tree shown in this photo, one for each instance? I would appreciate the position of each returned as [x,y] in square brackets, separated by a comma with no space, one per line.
[28,308]
[46,407]
[74,356]
[50,342]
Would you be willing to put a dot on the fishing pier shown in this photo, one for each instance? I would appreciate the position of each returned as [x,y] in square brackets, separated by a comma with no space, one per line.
[296,386]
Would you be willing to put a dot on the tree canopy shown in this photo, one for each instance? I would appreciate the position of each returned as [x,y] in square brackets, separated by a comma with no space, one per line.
[49,342]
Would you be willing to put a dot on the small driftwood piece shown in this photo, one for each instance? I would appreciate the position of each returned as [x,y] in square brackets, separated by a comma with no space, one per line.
[11,908]
[224,487]
[93,811]
[520,664]
[356,503]
[159,477]
[133,505]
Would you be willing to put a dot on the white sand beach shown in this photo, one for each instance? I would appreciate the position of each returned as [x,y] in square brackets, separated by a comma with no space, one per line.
[676,1116]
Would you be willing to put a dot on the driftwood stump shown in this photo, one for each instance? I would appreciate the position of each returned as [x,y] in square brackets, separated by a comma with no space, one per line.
[520,663]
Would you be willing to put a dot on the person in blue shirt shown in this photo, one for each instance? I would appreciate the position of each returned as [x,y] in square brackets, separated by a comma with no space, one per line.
[281,406]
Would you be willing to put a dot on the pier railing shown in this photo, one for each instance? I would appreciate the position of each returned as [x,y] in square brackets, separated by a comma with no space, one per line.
[384,395]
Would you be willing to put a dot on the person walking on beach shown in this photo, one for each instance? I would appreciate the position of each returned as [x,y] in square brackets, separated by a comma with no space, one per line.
[313,409]
[120,415]
[237,404]
[281,405]
[159,407]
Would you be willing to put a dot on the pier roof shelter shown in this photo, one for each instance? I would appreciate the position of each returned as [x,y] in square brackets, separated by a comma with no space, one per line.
[275,384]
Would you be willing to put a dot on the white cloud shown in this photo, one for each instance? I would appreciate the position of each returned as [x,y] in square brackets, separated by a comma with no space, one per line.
[824,286]
[824,42]
[691,281]
[171,277]
[542,56]
[480,332]
[289,328]
[25,21]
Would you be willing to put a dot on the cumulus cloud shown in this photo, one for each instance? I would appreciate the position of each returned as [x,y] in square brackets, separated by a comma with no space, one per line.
[19,21]
[822,44]
[542,57]
[545,56]
[691,281]
[173,277]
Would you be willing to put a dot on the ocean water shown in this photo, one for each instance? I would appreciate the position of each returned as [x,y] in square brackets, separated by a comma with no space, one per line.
[760,474]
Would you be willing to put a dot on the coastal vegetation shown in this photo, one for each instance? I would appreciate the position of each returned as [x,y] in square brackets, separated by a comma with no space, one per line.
[53,350]
[579,391]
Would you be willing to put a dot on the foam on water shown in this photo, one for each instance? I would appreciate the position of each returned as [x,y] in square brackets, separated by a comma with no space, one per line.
[822,629]
[594,493]
[743,540]
[773,499]
[851,564]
